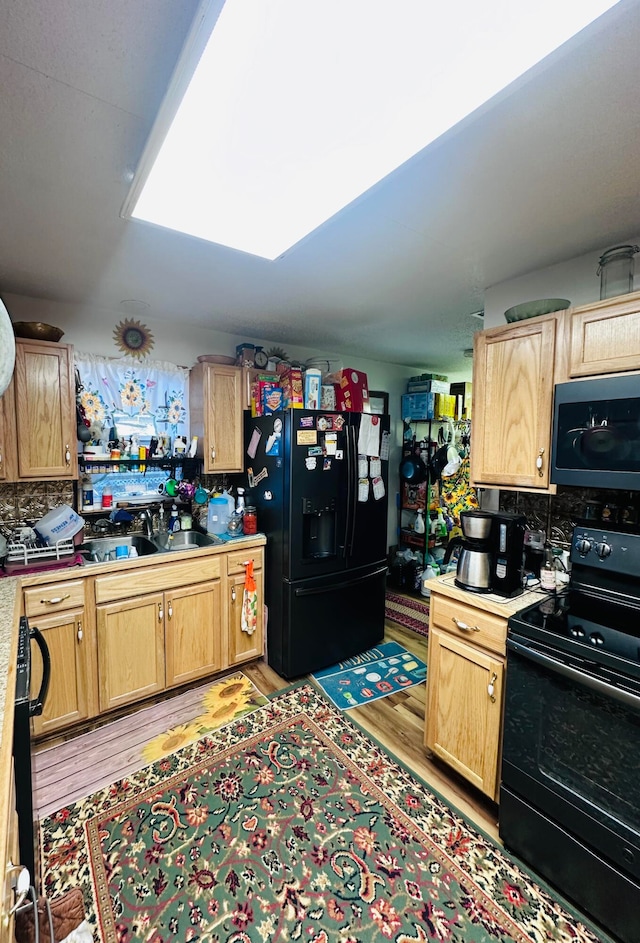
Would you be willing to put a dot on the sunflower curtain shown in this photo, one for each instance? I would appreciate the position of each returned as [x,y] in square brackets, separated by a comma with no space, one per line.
[142,399]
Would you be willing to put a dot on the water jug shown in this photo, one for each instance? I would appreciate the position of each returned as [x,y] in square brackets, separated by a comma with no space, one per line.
[217,515]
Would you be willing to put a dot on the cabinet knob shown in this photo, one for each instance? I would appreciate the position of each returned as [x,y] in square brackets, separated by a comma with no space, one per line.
[491,686]
[0,458]
[67,455]
[463,625]
[160,612]
[169,609]
[79,631]
[539,462]
[213,453]
[233,594]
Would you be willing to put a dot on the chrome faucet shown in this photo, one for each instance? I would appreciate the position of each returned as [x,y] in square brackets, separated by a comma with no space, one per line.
[146,516]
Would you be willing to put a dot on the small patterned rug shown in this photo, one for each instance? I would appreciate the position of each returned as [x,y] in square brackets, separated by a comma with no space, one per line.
[376,673]
[409,612]
[292,823]
[226,700]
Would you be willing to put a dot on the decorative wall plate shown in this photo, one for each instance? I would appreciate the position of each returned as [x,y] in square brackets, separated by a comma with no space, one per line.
[133,337]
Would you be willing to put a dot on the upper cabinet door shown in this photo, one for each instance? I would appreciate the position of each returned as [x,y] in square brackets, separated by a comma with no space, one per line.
[513,376]
[45,410]
[8,435]
[215,405]
[605,337]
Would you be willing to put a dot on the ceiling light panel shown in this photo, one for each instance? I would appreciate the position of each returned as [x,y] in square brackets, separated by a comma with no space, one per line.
[299,106]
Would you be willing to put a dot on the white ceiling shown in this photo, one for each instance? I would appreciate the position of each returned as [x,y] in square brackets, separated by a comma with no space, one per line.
[546,172]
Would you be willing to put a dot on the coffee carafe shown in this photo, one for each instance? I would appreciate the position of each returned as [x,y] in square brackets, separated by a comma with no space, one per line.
[474,568]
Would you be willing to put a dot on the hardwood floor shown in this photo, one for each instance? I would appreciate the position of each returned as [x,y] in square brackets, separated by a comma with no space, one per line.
[70,769]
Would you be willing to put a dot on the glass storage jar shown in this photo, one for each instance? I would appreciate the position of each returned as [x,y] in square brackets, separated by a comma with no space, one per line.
[616,271]
[249,521]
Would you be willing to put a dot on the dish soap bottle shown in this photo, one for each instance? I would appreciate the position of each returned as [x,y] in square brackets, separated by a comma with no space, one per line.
[174,520]
[240,501]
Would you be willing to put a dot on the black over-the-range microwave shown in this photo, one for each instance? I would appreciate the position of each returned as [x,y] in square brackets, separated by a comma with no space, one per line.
[596,433]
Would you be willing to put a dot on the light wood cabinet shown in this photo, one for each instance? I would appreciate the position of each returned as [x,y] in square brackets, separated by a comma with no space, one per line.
[58,611]
[43,396]
[513,378]
[150,642]
[243,646]
[8,437]
[215,406]
[465,684]
[193,632]
[605,337]
[10,863]
[130,650]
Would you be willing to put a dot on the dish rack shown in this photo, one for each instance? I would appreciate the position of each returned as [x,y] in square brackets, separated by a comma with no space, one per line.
[32,554]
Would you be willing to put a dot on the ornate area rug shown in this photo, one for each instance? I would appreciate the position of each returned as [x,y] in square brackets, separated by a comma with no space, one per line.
[291,824]
[226,700]
[376,673]
[411,613]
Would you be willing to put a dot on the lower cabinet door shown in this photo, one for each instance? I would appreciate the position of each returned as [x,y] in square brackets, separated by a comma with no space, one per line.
[130,649]
[193,632]
[464,709]
[243,645]
[67,698]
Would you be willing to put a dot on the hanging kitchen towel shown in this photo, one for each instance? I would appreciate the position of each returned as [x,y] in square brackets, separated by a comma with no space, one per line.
[456,491]
[249,618]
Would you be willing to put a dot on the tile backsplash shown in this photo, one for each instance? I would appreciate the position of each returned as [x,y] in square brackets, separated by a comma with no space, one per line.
[22,502]
[557,514]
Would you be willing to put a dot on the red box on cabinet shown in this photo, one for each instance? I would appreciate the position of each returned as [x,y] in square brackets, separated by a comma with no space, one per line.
[352,395]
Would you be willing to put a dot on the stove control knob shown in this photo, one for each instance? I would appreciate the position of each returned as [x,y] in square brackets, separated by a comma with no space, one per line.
[603,549]
[596,639]
[583,546]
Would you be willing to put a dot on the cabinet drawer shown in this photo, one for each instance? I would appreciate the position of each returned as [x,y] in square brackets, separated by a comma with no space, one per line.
[156,578]
[53,598]
[467,622]
[237,559]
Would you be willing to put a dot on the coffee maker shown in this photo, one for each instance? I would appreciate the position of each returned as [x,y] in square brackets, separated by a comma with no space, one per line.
[473,572]
[507,553]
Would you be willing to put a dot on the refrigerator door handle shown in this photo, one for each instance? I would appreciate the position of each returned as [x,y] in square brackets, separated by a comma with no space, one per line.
[352,471]
[343,584]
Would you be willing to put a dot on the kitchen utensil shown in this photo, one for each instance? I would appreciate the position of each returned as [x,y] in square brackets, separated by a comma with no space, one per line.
[200,495]
[37,331]
[533,309]
[413,469]
[169,487]
[216,358]
[186,490]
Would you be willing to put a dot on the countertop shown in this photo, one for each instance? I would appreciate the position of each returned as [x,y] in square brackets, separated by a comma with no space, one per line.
[489,602]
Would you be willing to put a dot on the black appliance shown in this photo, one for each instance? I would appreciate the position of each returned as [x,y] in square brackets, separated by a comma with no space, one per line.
[25,708]
[596,433]
[323,505]
[507,556]
[570,793]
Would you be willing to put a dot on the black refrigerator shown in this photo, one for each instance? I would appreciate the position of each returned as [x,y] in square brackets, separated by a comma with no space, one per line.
[319,482]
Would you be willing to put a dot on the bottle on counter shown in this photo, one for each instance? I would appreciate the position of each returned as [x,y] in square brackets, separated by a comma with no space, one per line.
[107,497]
[240,501]
[418,525]
[548,570]
[87,491]
[174,520]
[249,521]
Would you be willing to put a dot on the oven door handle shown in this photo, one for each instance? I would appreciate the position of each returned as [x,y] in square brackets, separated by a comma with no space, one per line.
[595,684]
[36,706]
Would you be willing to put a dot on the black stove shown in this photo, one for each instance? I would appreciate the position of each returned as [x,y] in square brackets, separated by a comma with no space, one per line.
[570,793]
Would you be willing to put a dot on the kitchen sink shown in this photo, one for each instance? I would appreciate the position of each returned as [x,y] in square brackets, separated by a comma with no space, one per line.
[99,549]
[185,540]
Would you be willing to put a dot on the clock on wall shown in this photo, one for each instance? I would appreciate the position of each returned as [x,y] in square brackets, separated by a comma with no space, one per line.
[260,359]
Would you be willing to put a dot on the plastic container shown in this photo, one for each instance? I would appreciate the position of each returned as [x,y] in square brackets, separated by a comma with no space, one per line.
[107,497]
[87,491]
[217,515]
[61,523]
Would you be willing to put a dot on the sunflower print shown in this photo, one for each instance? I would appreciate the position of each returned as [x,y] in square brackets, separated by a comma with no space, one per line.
[224,701]
[93,405]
